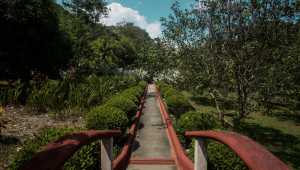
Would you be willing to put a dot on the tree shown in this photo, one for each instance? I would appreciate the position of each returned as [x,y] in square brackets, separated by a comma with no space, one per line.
[88,10]
[237,44]
[31,40]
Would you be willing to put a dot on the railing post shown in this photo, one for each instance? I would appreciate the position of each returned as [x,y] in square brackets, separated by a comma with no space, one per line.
[200,154]
[106,153]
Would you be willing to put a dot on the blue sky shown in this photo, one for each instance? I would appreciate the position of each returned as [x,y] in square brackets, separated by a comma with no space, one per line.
[152,9]
[143,13]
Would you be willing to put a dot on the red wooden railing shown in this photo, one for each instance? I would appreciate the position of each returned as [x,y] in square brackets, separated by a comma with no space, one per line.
[253,154]
[122,160]
[55,154]
[182,161]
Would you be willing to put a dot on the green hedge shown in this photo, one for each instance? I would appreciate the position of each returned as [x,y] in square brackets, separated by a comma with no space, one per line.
[117,111]
[222,157]
[123,103]
[198,121]
[106,117]
[177,103]
[111,115]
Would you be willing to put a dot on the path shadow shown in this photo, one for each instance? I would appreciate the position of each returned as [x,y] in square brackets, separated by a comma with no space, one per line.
[284,116]
[140,125]
[225,103]
[285,146]
[9,140]
[135,145]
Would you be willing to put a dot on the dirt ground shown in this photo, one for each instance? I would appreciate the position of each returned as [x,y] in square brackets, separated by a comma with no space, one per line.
[17,125]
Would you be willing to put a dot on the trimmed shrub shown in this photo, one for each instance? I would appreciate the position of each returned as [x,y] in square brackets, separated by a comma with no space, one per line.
[222,157]
[197,121]
[123,103]
[142,84]
[130,96]
[178,104]
[176,101]
[106,117]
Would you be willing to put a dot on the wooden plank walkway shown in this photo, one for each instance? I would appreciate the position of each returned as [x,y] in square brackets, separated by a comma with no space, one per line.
[151,148]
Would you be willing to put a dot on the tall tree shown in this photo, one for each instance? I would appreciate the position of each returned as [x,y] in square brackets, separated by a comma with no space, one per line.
[89,10]
[31,39]
[237,43]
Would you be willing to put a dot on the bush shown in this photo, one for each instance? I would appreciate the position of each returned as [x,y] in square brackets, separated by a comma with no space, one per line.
[133,93]
[106,117]
[123,103]
[50,95]
[142,84]
[197,121]
[85,158]
[178,104]
[11,95]
[220,157]
[89,92]
[176,101]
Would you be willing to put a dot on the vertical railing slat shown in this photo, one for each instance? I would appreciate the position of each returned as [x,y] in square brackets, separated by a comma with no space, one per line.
[200,154]
[106,153]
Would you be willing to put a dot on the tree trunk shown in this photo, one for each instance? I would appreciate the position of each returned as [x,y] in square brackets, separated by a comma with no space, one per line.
[220,113]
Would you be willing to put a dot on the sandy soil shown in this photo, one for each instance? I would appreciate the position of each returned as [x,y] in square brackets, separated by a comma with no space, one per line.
[17,125]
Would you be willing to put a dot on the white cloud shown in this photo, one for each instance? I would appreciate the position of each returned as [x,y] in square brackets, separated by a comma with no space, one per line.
[119,13]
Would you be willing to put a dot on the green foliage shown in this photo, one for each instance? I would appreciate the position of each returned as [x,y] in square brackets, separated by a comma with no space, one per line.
[91,91]
[257,57]
[106,117]
[31,39]
[219,155]
[89,11]
[85,158]
[197,121]
[176,101]
[134,93]
[123,103]
[11,95]
[113,114]
[222,157]
[48,96]
[178,104]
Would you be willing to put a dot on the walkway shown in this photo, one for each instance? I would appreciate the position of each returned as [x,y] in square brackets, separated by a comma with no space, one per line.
[151,149]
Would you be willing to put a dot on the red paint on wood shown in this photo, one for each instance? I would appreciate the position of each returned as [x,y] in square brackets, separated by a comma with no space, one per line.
[152,161]
[182,161]
[253,154]
[55,154]
[122,160]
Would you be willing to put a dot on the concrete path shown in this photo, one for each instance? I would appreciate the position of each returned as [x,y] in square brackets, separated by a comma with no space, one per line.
[151,140]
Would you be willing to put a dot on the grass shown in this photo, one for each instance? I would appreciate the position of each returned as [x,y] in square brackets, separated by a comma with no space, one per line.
[278,132]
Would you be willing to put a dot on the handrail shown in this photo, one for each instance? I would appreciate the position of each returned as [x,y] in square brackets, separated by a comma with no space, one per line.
[122,160]
[254,155]
[182,161]
[55,154]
